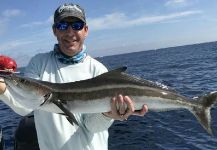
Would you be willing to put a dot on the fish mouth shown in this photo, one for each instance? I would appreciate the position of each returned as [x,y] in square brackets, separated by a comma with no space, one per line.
[5,76]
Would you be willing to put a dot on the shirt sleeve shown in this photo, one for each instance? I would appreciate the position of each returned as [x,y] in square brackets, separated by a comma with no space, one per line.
[9,99]
[33,68]
[97,122]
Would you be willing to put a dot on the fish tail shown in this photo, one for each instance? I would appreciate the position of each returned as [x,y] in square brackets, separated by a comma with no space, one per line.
[202,112]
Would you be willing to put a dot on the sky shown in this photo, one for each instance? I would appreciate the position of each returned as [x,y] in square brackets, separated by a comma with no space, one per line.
[115,26]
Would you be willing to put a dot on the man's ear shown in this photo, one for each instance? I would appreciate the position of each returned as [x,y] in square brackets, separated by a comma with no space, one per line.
[86,30]
[54,29]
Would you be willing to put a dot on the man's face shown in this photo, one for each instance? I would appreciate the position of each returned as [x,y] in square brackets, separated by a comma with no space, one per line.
[69,40]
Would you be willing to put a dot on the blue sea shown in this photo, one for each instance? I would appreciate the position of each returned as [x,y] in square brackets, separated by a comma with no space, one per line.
[190,70]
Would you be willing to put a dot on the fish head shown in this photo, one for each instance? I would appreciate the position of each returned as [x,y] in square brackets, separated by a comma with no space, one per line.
[28,92]
[24,86]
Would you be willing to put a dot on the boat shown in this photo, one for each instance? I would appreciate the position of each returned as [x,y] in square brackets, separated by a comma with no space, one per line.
[25,137]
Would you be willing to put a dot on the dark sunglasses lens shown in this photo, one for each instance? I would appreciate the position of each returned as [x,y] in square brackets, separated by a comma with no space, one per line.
[77,25]
[62,26]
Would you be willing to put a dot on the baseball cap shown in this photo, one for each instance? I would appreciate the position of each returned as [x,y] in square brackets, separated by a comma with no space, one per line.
[69,10]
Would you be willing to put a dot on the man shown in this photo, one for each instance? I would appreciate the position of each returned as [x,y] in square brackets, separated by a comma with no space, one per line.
[69,62]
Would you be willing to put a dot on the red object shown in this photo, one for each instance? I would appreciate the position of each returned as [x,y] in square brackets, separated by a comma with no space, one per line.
[7,64]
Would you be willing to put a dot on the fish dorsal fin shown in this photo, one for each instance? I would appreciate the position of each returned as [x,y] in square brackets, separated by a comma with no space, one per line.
[117,70]
[112,74]
[119,75]
[115,73]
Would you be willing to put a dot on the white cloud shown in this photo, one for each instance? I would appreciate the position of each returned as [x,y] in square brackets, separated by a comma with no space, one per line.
[121,20]
[108,21]
[6,17]
[14,44]
[11,13]
[180,3]
[175,2]
[38,23]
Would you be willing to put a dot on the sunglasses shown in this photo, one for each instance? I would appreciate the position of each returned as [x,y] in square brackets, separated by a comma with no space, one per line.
[75,25]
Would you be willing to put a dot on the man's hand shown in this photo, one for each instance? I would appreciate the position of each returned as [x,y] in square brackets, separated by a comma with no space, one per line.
[2,86]
[125,108]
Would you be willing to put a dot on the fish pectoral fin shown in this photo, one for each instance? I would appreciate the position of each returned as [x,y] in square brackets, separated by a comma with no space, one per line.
[120,69]
[47,98]
[69,116]
[72,121]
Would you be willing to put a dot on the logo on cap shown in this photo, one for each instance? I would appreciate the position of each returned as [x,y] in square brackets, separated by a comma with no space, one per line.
[70,8]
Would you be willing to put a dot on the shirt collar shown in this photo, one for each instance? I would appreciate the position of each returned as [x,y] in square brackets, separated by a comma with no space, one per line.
[79,57]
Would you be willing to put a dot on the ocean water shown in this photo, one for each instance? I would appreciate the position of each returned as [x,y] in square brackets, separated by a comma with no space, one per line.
[190,70]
